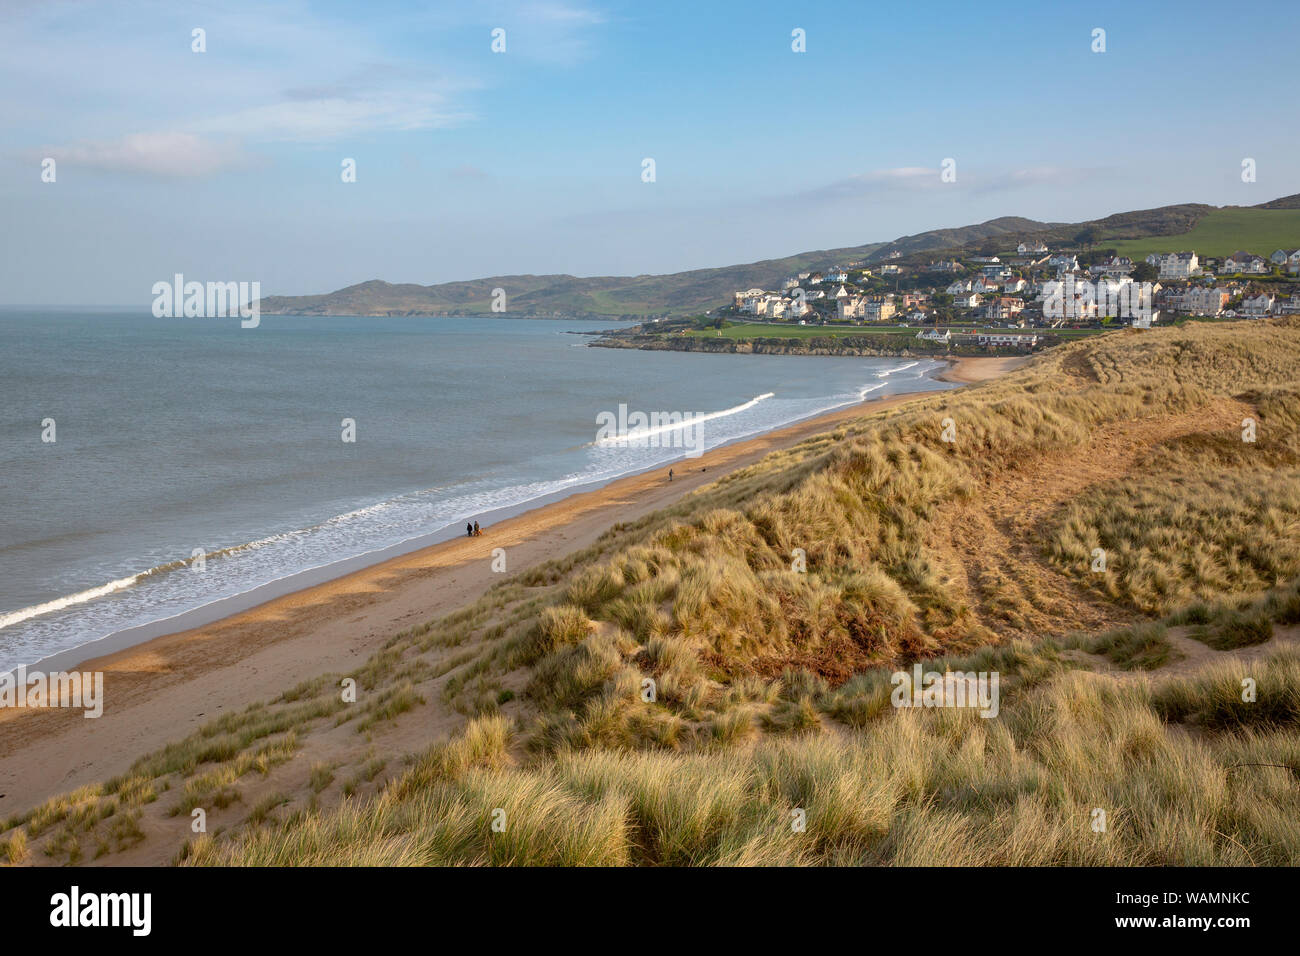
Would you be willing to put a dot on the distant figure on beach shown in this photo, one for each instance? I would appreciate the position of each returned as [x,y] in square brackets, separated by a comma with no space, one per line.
[469,530]
[670,474]
[477,532]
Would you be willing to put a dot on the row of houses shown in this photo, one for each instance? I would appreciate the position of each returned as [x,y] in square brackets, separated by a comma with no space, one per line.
[1186,265]
[775,305]
[984,285]
[1266,304]
[865,308]
[1193,300]
[998,293]
[1248,263]
[1020,340]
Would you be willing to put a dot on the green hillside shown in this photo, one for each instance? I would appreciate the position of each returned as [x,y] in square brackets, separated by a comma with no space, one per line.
[1223,232]
[612,296]
[1210,231]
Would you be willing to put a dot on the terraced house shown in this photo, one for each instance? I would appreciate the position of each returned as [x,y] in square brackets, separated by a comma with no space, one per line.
[1245,263]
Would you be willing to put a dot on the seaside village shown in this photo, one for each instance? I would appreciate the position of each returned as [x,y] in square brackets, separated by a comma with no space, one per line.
[1015,300]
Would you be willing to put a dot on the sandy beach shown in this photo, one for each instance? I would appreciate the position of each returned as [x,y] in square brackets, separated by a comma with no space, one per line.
[164,688]
[967,371]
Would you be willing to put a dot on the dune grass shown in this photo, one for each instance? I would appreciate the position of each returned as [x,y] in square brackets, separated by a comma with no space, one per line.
[710,684]
[914,787]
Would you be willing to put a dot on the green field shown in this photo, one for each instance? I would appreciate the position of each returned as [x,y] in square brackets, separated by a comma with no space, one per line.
[1223,232]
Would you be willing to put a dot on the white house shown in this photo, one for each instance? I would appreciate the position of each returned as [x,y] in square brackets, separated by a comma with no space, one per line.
[1014,284]
[1198,301]
[1014,339]
[1245,263]
[1115,267]
[1178,265]
[1031,248]
[1004,308]
[934,335]
[958,287]
[878,308]
[1282,256]
[1258,307]
[966,300]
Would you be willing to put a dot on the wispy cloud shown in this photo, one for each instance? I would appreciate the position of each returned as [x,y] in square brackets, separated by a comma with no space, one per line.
[902,180]
[555,33]
[170,155]
[874,182]
[1028,177]
[273,72]
[330,118]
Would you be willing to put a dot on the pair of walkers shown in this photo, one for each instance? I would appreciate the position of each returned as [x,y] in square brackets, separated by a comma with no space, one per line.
[473,530]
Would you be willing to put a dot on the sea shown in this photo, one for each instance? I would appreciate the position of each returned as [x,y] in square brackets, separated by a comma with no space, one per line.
[157,473]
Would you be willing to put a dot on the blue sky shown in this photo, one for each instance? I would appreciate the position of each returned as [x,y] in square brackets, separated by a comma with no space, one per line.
[225,165]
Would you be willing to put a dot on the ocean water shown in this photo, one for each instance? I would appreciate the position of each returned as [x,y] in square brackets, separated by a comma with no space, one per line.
[180,434]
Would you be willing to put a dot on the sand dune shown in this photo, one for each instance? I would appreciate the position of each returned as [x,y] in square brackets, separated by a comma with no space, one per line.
[164,688]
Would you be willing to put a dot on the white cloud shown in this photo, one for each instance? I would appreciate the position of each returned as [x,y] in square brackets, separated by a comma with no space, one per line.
[330,118]
[274,72]
[168,154]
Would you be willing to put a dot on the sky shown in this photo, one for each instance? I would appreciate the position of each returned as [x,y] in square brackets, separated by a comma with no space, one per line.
[227,164]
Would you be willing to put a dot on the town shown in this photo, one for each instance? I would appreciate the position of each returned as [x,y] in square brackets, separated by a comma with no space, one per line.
[1014,297]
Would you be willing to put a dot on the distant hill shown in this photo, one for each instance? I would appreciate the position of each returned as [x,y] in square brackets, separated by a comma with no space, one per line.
[564,295]
[1286,202]
[966,236]
[1208,229]
[998,236]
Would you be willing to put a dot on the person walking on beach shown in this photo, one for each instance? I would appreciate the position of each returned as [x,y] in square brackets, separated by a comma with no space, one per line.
[477,532]
[670,474]
[469,530]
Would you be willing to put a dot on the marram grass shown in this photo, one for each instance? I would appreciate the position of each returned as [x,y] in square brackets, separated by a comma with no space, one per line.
[709,684]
